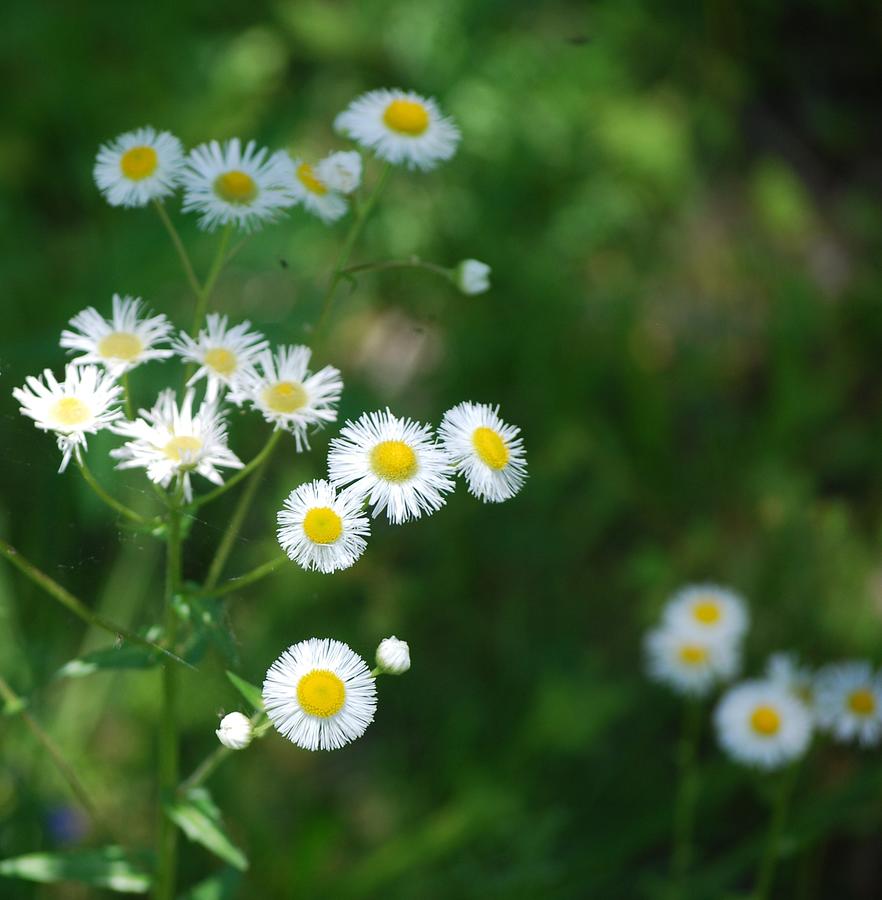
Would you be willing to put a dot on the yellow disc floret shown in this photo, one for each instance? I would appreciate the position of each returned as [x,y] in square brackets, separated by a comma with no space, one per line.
[693,654]
[138,163]
[322,525]
[221,360]
[235,187]
[182,448]
[70,412]
[706,611]
[309,180]
[321,693]
[285,397]
[120,345]
[862,702]
[393,461]
[406,117]
[490,448]
[765,720]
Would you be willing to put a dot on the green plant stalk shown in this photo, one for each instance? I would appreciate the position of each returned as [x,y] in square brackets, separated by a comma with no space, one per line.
[687,796]
[206,768]
[217,266]
[769,859]
[414,262]
[241,581]
[127,394]
[181,250]
[107,498]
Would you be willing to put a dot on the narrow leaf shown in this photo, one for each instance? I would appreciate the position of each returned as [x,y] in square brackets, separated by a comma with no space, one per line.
[108,867]
[198,817]
[219,887]
[127,656]
[249,691]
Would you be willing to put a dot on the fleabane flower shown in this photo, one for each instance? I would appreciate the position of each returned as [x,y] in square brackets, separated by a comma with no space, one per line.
[235,731]
[712,610]
[760,723]
[394,463]
[171,442]
[472,276]
[222,353]
[486,451]
[784,669]
[321,529]
[341,171]
[225,184]
[128,338]
[689,663]
[393,656]
[320,694]
[291,397]
[401,127]
[84,403]
[139,166]
[316,195]
[848,702]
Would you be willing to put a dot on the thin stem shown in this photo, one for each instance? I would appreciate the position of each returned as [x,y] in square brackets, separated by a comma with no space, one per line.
[766,871]
[414,262]
[217,265]
[687,795]
[111,501]
[240,581]
[127,393]
[192,280]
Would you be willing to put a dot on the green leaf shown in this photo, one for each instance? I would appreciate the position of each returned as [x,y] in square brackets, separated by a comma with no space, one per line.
[128,656]
[219,887]
[249,691]
[199,818]
[108,867]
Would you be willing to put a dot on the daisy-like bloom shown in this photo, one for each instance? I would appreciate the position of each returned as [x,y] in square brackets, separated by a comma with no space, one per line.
[226,184]
[321,529]
[221,353]
[235,731]
[320,694]
[713,610]
[316,195]
[341,171]
[84,403]
[485,450]
[393,656]
[401,127]
[288,394]
[688,662]
[848,702]
[394,463]
[785,670]
[760,723]
[138,167]
[472,276]
[171,442]
[125,340]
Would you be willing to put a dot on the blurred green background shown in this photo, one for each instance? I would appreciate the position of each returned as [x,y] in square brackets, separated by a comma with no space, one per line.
[680,203]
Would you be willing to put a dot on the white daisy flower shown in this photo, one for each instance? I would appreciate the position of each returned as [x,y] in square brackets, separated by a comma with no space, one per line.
[848,702]
[138,167]
[235,731]
[320,694]
[401,127]
[341,171]
[713,610]
[221,353]
[689,662]
[315,194]
[393,656]
[288,394]
[485,450]
[84,403]
[321,529]
[171,442]
[226,184]
[119,343]
[472,276]
[762,724]
[394,463]
[785,670]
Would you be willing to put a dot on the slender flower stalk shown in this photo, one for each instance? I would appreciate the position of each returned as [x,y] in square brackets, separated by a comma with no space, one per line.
[107,498]
[217,266]
[181,250]
[687,795]
[239,581]
[780,808]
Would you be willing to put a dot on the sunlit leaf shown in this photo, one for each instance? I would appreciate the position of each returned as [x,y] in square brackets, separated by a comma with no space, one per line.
[249,691]
[199,818]
[219,887]
[108,867]
[127,656]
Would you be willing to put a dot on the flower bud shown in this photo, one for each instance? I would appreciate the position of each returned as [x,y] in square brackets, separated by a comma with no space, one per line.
[472,276]
[341,171]
[234,731]
[393,656]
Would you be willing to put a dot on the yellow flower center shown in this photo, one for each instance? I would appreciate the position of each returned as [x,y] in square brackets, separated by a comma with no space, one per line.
[70,411]
[308,179]
[406,117]
[138,163]
[765,721]
[284,397]
[490,447]
[321,693]
[221,360]
[862,702]
[235,187]
[322,525]
[393,461]
[706,611]
[120,345]
[693,654]
[183,447]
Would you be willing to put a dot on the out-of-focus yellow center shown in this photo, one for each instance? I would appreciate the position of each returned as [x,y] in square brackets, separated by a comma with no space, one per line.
[284,397]
[490,447]
[322,525]
[138,163]
[221,360]
[706,611]
[406,117]
[182,448]
[393,461]
[862,702]
[321,693]
[235,187]
[765,721]
[69,411]
[693,654]
[120,345]
[309,180]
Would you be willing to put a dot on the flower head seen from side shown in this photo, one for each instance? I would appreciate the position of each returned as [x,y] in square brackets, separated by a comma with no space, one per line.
[139,166]
[341,171]
[393,656]
[472,276]
[320,694]
[712,610]
[401,127]
[128,338]
[235,731]
[291,397]
[394,463]
[761,724]
[316,195]
[171,442]
[485,450]
[84,403]
[784,669]
[848,702]
[689,663]
[226,184]
[321,529]
[222,353]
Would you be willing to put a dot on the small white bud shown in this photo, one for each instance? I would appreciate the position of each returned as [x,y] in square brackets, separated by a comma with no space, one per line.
[472,276]
[234,731]
[393,656]
[341,171]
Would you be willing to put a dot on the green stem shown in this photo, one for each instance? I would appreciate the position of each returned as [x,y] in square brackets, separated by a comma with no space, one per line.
[204,293]
[687,795]
[184,257]
[127,393]
[766,871]
[111,501]
[240,581]
[206,768]
[413,263]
